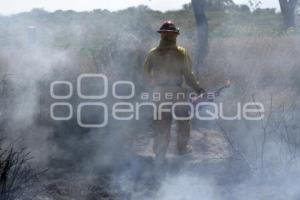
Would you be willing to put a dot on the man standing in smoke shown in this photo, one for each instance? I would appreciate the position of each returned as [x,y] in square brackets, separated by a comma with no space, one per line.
[168,67]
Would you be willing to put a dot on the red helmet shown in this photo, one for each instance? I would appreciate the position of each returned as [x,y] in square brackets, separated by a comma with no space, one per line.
[168,26]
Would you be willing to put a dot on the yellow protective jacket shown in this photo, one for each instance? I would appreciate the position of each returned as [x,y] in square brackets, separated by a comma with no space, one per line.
[169,65]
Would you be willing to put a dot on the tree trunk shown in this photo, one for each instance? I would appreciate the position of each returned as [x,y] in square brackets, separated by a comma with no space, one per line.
[202,32]
[289,20]
[288,8]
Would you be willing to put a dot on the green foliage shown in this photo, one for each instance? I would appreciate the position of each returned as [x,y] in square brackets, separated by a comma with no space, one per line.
[215,5]
[64,29]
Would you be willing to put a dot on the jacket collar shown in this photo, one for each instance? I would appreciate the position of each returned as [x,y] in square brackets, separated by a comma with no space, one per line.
[165,44]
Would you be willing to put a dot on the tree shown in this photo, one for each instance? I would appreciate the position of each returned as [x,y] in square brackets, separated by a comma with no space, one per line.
[254,4]
[202,31]
[199,7]
[288,8]
[217,5]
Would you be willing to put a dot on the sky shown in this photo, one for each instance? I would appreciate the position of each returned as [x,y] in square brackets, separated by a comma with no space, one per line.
[15,6]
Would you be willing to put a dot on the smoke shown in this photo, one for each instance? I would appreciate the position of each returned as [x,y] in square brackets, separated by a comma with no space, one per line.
[263,160]
[29,66]
[187,187]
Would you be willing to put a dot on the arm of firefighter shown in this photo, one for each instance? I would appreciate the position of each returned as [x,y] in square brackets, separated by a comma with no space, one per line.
[190,77]
[147,70]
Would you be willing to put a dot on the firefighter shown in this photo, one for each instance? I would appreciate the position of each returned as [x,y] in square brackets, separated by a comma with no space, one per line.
[168,69]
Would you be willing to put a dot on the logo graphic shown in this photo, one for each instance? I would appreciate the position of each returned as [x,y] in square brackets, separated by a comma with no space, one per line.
[122,107]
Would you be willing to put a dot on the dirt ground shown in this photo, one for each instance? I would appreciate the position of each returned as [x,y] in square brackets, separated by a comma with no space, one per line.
[210,152]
